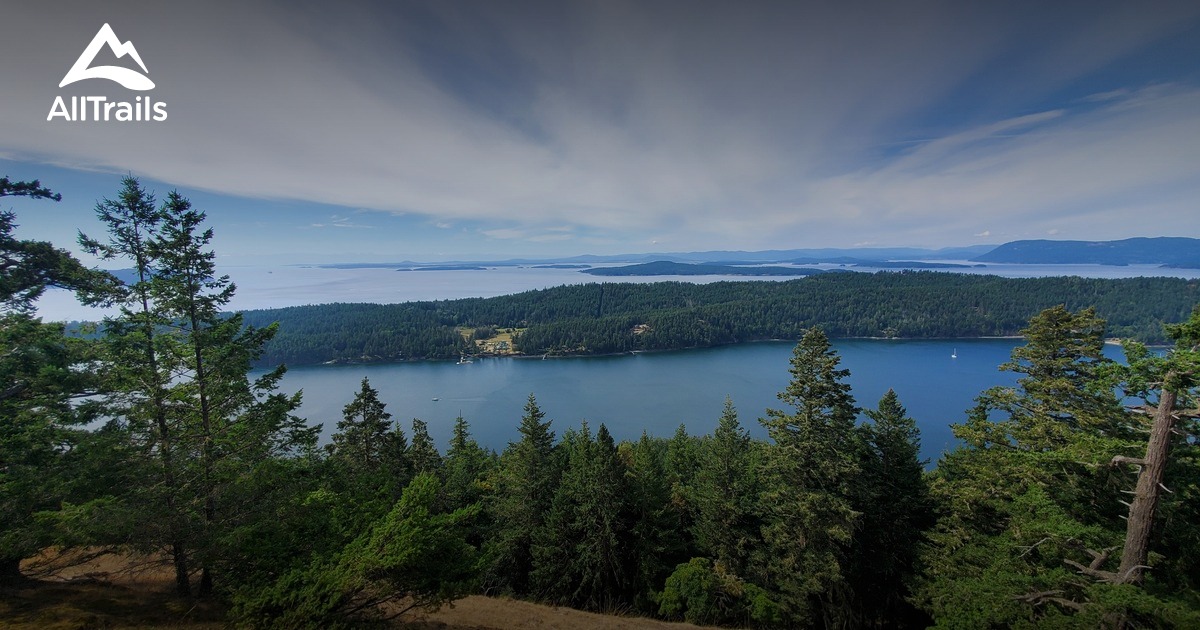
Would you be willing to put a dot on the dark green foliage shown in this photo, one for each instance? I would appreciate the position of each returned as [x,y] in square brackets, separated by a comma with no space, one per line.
[422,452]
[725,495]
[608,318]
[579,552]
[1032,492]
[42,374]
[807,476]
[361,440]
[701,593]
[524,490]
[819,527]
[892,495]
[655,543]
[415,557]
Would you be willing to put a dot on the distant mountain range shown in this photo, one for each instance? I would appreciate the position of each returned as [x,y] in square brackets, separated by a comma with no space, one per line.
[1166,251]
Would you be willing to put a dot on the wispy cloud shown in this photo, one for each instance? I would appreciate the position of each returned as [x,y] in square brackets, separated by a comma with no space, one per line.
[337,221]
[770,125]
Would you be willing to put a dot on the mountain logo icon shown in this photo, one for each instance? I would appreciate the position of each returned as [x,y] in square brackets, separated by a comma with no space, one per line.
[130,79]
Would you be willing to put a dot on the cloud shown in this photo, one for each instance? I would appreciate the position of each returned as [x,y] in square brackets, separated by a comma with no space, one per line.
[534,235]
[337,221]
[758,125]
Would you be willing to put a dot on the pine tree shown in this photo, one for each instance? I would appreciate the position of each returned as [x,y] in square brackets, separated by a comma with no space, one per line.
[808,472]
[1170,388]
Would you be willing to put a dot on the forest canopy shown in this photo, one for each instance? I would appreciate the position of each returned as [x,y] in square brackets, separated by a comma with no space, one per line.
[622,317]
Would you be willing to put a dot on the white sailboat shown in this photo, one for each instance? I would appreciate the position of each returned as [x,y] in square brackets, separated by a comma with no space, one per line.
[954,355]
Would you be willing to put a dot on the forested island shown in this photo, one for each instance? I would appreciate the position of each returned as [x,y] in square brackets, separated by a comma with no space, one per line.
[1073,500]
[621,317]
[1169,251]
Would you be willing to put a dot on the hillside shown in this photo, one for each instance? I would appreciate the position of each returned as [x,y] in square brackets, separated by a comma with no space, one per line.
[132,591]
[622,317]
[1166,251]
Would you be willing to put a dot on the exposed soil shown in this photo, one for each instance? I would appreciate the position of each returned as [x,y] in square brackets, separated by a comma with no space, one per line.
[76,591]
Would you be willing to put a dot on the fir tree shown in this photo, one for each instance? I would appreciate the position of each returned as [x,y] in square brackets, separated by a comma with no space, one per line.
[423,453]
[808,472]
[525,482]
[725,491]
[893,497]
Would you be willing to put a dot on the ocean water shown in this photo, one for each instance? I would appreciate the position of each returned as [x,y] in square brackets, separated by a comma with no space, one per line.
[656,392]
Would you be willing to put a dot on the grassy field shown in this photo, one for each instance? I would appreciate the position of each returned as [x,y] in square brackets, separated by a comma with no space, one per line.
[499,344]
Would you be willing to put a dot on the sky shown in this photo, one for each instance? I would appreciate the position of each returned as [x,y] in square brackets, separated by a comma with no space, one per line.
[449,130]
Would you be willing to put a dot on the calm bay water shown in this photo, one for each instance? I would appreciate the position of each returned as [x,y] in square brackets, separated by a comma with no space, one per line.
[656,392]
[653,392]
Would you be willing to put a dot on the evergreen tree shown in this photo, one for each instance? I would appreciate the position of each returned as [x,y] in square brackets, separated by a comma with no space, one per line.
[808,472]
[578,555]
[42,374]
[1030,497]
[423,453]
[1160,516]
[466,466]
[525,482]
[893,497]
[362,460]
[725,493]
[361,439]
[683,460]
[415,556]
[655,546]
[139,365]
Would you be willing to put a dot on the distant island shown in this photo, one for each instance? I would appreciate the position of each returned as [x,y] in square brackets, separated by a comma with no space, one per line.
[1171,252]
[911,264]
[669,268]
[1178,252]
[444,268]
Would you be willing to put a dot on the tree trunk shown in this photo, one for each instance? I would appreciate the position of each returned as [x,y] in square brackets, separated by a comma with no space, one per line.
[183,585]
[1149,485]
[10,570]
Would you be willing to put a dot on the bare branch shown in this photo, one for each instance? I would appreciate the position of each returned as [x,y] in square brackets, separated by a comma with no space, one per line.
[1118,460]
[1103,576]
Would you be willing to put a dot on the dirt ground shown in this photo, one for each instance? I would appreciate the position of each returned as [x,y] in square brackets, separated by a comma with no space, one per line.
[128,591]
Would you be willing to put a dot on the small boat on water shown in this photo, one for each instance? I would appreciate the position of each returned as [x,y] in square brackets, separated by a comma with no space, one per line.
[435,399]
[954,355]
[463,360]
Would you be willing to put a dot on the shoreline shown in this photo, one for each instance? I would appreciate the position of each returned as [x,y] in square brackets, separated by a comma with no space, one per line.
[586,355]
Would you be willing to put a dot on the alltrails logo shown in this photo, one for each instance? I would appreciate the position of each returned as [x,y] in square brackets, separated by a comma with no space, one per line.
[99,107]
